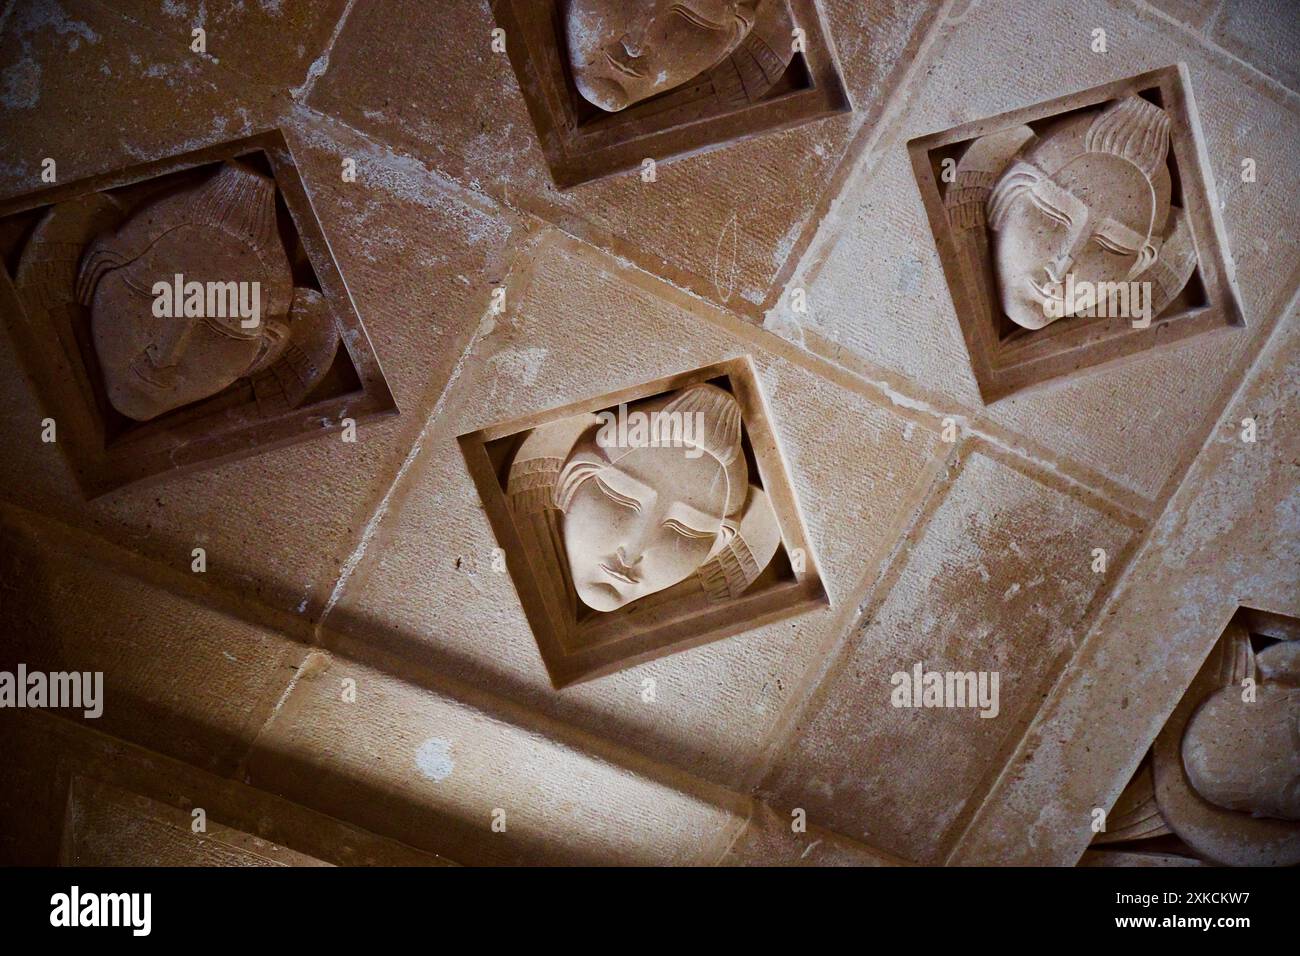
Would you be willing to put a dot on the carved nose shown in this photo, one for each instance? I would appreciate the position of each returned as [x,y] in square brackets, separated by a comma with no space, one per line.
[629,567]
[1057,269]
[166,350]
[631,45]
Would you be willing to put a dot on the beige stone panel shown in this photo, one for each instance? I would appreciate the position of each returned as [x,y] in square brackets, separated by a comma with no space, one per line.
[42,754]
[96,92]
[430,771]
[1264,33]
[1000,580]
[177,677]
[1138,423]
[418,263]
[1230,537]
[1193,13]
[271,42]
[768,840]
[108,826]
[722,223]
[583,326]
[420,255]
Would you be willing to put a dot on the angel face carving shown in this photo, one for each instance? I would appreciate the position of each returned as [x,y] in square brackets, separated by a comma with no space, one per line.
[220,236]
[1088,199]
[1079,216]
[639,515]
[643,520]
[623,52]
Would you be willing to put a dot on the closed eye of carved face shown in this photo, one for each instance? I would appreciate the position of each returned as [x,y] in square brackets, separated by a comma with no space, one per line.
[605,480]
[152,364]
[624,51]
[642,524]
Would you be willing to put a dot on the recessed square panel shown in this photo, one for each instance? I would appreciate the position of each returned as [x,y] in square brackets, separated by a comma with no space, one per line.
[646,521]
[1078,232]
[183,313]
[1221,783]
[611,84]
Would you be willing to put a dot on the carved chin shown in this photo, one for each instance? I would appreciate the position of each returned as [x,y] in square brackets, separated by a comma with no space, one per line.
[602,91]
[137,403]
[1027,312]
[600,597]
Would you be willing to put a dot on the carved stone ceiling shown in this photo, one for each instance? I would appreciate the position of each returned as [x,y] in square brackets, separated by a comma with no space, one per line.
[654,441]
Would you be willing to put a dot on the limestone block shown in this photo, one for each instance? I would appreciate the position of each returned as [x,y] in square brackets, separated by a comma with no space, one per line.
[1000,581]
[1227,538]
[177,677]
[289,555]
[722,223]
[1264,33]
[439,775]
[1099,418]
[108,826]
[769,840]
[271,43]
[45,755]
[96,92]
[857,466]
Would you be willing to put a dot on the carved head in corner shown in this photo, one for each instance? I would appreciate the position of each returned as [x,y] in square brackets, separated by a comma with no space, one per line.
[625,51]
[649,496]
[163,341]
[1087,198]
[1245,754]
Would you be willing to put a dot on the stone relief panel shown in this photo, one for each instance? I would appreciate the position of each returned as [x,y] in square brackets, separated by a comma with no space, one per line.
[611,84]
[1221,783]
[184,313]
[1078,232]
[645,522]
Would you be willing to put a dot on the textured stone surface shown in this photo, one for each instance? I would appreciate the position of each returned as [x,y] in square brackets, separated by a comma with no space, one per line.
[879,249]
[274,42]
[855,467]
[44,755]
[107,826]
[768,840]
[1266,33]
[1231,536]
[419,299]
[975,556]
[92,91]
[432,772]
[1193,13]
[995,584]
[177,677]
[723,222]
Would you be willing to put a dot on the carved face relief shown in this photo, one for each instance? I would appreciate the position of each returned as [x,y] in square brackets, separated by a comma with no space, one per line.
[645,497]
[1224,773]
[1087,200]
[164,342]
[643,524]
[179,315]
[1049,232]
[1245,755]
[624,51]
[154,364]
